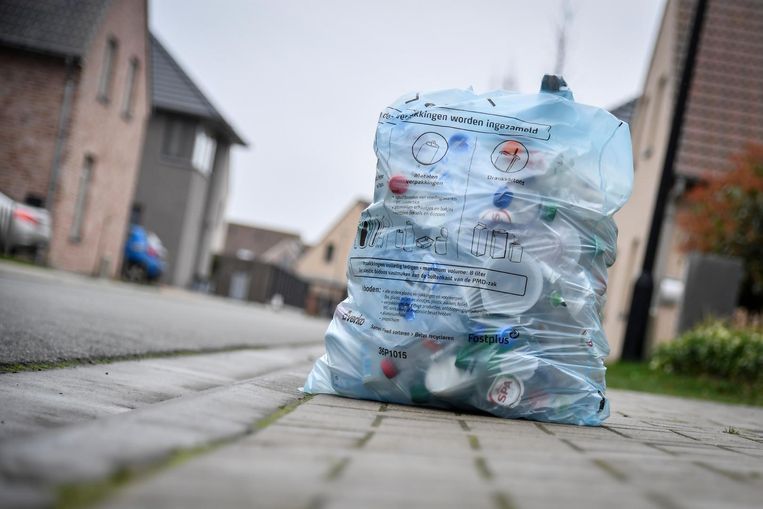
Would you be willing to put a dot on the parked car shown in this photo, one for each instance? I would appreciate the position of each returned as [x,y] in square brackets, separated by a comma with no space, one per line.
[23,227]
[144,257]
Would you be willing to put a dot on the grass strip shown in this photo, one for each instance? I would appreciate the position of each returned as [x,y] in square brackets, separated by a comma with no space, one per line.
[637,376]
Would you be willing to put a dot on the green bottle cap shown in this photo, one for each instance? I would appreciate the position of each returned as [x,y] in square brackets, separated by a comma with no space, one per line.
[548,211]
[419,393]
[556,299]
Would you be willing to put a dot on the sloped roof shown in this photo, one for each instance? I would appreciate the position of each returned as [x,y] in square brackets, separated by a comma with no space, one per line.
[254,238]
[625,111]
[173,90]
[725,106]
[55,27]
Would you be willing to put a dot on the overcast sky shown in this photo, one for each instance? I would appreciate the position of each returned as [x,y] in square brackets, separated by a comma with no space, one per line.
[304,81]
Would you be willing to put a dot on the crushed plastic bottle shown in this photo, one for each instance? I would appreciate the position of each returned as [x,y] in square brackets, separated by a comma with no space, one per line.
[478,275]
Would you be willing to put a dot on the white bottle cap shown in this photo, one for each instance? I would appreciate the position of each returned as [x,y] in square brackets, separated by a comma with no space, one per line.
[444,379]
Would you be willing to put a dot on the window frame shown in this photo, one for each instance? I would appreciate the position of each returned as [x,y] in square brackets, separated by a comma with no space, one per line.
[128,95]
[81,201]
[204,150]
[108,67]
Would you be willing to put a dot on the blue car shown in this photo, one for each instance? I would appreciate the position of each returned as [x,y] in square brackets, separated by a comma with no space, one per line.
[144,256]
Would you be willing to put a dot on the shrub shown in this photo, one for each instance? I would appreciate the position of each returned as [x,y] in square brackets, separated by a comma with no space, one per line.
[714,349]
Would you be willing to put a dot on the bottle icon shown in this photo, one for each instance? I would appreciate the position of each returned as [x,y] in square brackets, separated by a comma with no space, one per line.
[515,252]
[441,242]
[499,243]
[409,237]
[362,234]
[479,240]
[382,232]
[373,231]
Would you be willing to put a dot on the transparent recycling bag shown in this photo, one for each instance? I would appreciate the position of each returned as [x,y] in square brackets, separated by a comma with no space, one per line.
[478,274]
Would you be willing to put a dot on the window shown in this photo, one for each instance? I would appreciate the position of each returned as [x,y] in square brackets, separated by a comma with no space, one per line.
[129,93]
[178,137]
[203,151]
[75,234]
[329,254]
[136,213]
[655,116]
[107,71]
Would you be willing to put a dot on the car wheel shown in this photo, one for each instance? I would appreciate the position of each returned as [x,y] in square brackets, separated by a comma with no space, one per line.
[135,273]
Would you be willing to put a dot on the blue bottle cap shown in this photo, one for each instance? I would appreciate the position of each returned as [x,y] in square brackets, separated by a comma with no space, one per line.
[405,308]
[502,198]
[459,142]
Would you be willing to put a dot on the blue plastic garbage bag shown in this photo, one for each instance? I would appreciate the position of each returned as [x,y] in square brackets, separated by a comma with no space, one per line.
[478,274]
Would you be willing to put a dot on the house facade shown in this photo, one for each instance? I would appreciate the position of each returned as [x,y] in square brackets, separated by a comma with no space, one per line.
[724,112]
[248,242]
[324,265]
[74,102]
[184,173]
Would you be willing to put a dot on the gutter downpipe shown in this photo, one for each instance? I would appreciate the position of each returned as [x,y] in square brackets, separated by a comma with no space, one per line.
[61,135]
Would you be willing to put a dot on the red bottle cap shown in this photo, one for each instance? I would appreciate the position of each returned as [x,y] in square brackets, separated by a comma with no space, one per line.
[388,368]
[398,184]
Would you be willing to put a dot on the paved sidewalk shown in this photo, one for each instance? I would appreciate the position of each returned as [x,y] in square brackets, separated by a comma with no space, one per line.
[90,423]
[70,427]
[338,453]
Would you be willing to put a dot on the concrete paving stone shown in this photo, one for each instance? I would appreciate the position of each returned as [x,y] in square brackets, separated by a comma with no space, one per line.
[436,447]
[81,454]
[419,424]
[371,468]
[507,429]
[341,402]
[339,418]
[428,415]
[550,470]
[572,495]
[290,437]
[234,476]
[695,451]
[409,495]
[540,450]
[21,496]
[604,445]
[283,380]
[660,435]
[31,402]
[96,448]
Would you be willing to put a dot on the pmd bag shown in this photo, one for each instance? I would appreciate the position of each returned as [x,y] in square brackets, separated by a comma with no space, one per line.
[478,273]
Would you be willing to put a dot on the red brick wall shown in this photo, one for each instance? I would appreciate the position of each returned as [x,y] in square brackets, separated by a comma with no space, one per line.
[31,91]
[115,143]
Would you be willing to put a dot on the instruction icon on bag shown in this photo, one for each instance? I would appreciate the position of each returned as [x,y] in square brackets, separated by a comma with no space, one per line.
[429,148]
[509,156]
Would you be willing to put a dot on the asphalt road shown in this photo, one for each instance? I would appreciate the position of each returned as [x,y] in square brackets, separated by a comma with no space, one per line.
[48,316]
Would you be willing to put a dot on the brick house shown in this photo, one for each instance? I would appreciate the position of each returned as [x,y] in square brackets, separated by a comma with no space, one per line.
[724,112]
[324,265]
[73,109]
